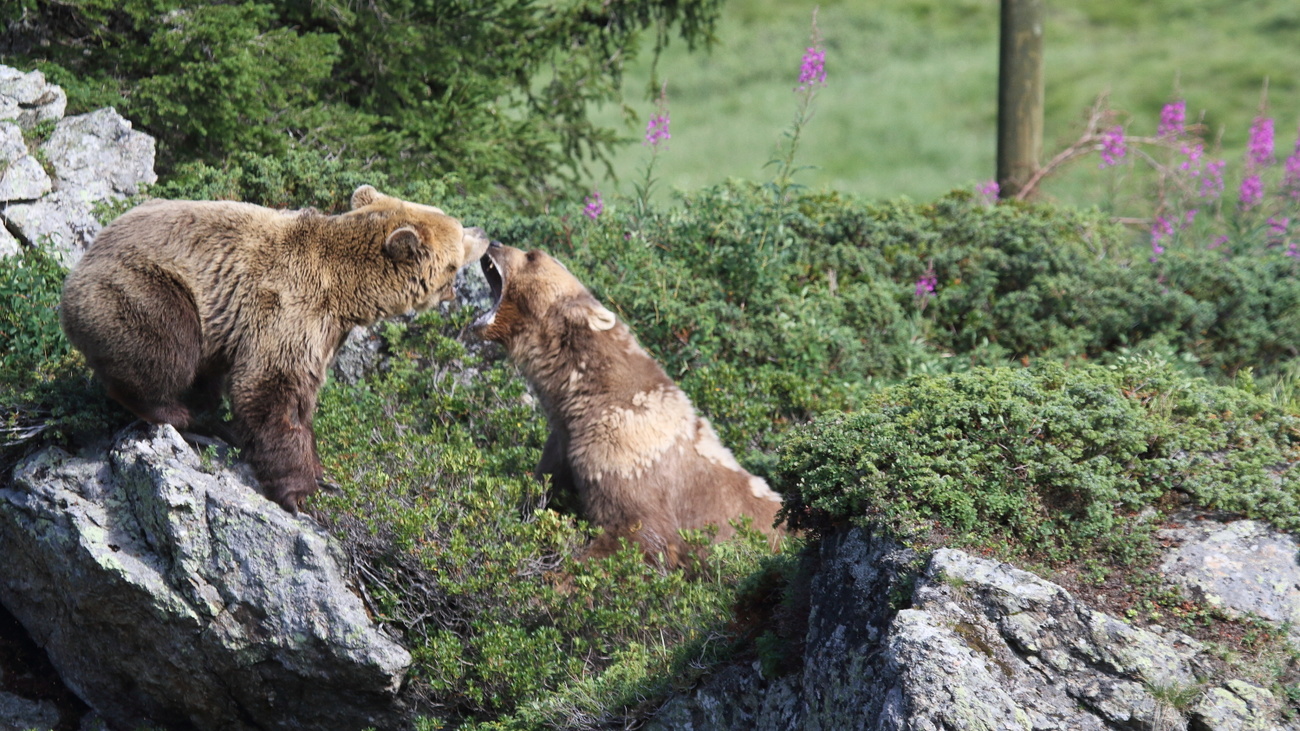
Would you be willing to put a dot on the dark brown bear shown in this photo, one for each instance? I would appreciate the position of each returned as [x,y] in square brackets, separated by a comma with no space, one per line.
[177,301]
[623,435]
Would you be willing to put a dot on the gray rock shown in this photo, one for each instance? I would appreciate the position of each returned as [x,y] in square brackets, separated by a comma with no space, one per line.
[359,355]
[1059,664]
[12,145]
[24,179]
[850,617]
[1237,706]
[728,701]
[167,591]
[65,218]
[983,645]
[28,98]
[1243,567]
[49,107]
[472,289]
[9,245]
[21,714]
[100,154]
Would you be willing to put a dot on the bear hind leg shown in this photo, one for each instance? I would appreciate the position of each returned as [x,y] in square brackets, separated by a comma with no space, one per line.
[154,411]
[150,364]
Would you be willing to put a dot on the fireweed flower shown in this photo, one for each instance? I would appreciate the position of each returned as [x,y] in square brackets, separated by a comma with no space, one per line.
[925,287]
[656,134]
[595,205]
[1291,174]
[656,130]
[1259,153]
[812,76]
[1113,148]
[812,72]
[1193,152]
[1252,191]
[1162,228]
[1277,228]
[1212,183]
[1173,119]
[989,190]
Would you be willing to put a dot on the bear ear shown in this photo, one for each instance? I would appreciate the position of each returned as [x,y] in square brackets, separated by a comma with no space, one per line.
[600,318]
[364,196]
[404,245]
[591,313]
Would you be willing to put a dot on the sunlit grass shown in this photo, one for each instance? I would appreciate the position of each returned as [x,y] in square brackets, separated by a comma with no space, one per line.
[910,105]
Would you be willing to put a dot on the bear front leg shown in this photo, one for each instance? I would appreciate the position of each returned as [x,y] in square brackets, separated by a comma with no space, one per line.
[275,411]
[555,462]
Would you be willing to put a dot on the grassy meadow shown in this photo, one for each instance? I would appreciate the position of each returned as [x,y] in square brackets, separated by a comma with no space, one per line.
[910,102]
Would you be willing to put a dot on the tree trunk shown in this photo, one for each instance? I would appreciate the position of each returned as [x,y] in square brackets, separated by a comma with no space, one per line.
[1020,94]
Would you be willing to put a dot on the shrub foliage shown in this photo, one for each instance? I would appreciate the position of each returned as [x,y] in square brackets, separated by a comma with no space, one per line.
[497,92]
[1047,461]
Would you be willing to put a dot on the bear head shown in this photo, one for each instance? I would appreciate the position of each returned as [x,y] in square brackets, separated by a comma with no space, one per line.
[533,291]
[423,246]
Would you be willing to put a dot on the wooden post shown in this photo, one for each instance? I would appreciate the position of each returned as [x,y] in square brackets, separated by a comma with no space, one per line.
[1020,94]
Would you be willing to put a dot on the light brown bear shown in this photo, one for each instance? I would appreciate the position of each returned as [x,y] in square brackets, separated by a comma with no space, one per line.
[622,434]
[178,301]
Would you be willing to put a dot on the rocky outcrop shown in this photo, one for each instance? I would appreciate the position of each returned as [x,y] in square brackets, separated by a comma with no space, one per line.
[1242,567]
[980,645]
[27,99]
[167,591]
[50,190]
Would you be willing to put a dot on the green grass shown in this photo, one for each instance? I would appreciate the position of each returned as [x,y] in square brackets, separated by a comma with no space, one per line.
[910,103]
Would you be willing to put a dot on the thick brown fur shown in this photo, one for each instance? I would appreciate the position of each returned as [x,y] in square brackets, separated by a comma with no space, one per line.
[178,301]
[622,434]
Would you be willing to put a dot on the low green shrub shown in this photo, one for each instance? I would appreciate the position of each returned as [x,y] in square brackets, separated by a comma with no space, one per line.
[45,387]
[1050,461]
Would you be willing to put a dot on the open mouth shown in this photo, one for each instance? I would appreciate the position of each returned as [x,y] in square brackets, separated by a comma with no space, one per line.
[496,283]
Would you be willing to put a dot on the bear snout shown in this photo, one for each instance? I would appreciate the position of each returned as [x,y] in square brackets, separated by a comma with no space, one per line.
[476,243]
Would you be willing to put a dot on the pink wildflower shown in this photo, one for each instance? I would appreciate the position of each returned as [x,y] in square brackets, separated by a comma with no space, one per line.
[1218,241]
[1277,227]
[812,72]
[1252,191]
[1112,146]
[1193,152]
[656,131]
[989,190]
[1260,151]
[1173,119]
[925,286]
[1163,227]
[1291,173]
[1212,183]
[595,205]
